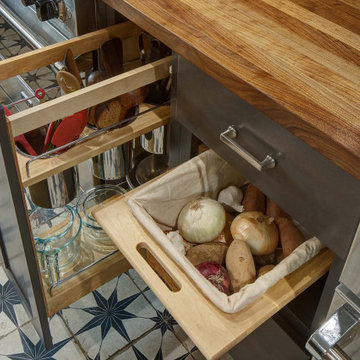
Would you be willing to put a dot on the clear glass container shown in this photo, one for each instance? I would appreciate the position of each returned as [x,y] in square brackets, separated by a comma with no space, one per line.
[92,232]
[57,240]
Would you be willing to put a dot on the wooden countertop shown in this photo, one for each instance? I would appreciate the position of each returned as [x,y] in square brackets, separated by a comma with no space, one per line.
[298,61]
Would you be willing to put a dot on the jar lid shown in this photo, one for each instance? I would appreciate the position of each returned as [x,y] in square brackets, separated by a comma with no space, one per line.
[93,197]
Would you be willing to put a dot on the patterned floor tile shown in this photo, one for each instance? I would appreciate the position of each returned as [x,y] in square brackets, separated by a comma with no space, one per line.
[139,282]
[155,346]
[178,331]
[25,344]
[110,318]
[12,312]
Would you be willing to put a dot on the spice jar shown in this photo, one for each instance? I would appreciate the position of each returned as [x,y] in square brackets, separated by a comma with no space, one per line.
[57,240]
[92,233]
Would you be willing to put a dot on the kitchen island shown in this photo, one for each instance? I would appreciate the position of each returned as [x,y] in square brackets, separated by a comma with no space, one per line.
[298,61]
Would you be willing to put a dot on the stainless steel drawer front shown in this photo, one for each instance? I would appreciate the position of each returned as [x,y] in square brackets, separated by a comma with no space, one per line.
[321,196]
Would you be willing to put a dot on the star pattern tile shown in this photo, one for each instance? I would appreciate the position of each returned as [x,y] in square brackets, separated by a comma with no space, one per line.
[109,313]
[36,351]
[9,298]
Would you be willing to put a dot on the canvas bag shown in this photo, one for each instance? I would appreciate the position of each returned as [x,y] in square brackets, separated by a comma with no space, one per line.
[161,202]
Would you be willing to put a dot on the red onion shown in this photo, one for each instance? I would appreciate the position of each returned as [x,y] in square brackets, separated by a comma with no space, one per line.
[216,274]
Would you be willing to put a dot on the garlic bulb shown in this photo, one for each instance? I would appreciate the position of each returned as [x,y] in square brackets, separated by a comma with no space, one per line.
[258,230]
[231,198]
[201,220]
[176,239]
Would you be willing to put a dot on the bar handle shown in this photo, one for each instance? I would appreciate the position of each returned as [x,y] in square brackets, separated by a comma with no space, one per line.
[228,137]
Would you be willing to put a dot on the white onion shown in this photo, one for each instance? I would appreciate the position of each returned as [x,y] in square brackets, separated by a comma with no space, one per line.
[201,220]
[231,198]
[258,230]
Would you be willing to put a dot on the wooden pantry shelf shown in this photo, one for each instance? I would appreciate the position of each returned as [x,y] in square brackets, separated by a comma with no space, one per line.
[43,168]
[85,282]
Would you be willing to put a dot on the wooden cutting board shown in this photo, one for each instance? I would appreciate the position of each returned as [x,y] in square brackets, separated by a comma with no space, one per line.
[298,61]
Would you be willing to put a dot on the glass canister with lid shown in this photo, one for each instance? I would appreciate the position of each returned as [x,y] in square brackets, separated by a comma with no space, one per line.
[92,232]
[57,240]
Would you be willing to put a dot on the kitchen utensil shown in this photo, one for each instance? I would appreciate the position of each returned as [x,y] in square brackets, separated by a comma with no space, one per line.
[57,190]
[116,162]
[111,165]
[92,233]
[96,75]
[70,128]
[67,81]
[151,167]
[159,91]
[156,141]
[112,55]
[49,133]
[71,66]
[57,239]
[21,140]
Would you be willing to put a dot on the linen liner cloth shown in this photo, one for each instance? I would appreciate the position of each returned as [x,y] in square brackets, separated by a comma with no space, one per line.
[206,174]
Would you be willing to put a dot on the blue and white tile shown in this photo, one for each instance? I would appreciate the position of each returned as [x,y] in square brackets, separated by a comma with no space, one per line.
[155,346]
[139,282]
[26,344]
[110,318]
[12,312]
[178,331]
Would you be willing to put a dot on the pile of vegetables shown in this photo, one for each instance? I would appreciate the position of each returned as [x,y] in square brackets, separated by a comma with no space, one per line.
[235,239]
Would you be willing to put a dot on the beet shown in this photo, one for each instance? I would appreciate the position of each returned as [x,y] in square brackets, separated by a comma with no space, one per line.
[216,274]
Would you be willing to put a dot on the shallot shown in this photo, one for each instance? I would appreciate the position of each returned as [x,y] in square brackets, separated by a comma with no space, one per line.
[216,274]
[258,230]
[201,220]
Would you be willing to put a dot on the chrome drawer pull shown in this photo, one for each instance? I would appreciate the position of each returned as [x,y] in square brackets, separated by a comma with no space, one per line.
[228,136]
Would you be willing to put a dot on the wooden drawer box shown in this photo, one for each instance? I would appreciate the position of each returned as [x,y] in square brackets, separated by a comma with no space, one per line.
[213,331]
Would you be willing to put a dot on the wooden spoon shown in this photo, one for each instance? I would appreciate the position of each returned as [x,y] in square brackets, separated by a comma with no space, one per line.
[71,65]
[67,81]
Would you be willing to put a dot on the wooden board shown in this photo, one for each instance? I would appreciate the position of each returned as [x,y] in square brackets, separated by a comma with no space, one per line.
[79,45]
[43,168]
[85,282]
[298,61]
[66,105]
[213,331]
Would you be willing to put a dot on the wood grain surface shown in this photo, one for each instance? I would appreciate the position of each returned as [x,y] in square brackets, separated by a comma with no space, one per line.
[213,331]
[43,168]
[298,61]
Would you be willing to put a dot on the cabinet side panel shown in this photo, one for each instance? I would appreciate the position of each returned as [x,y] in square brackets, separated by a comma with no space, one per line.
[17,244]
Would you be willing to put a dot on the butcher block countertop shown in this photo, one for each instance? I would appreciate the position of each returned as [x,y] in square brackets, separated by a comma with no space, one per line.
[298,61]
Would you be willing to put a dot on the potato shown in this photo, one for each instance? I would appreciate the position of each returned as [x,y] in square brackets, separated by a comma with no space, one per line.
[207,252]
[265,269]
[240,265]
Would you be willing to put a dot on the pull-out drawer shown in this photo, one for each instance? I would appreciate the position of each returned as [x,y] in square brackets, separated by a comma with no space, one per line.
[302,178]
[20,173]
[213,331]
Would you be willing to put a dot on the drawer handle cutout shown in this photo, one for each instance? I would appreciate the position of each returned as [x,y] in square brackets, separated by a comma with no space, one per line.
[228,137]
[150,258]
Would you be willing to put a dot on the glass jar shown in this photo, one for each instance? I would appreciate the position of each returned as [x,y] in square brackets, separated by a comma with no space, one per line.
[93,234]
[57,239]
